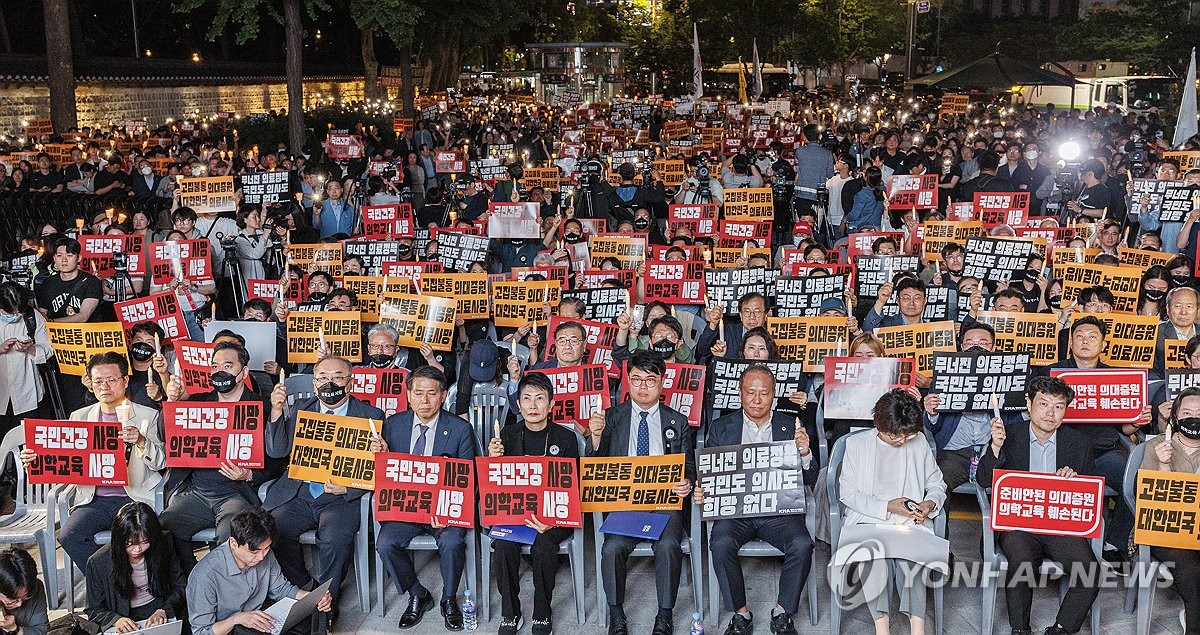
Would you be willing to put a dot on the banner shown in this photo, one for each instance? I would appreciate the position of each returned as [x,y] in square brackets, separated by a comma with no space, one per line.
[1167,506]
[802,296]
[515,304]
[601,305]
[519,488]
[936,234]
[727,376]
[968,382]
[1047,504]
[675,282]
[333,449]
[1112,396]
[207,434]
[727,286]
[809,339]
[749,480]
[1124,282]
[1178,379]
[700,218]
[181,260]
[1035,334]
[420,320]
[1002,208]
[96,254]
[631,483]
[919,341]
[457,251]
[630,251]
[160,308]
[388,221]
[872,272]
[266,187]
[854,384]
[913,192]
[340,332]
[76,453]
[74,344]
[996,259]
[469,290]
[384,388]
[514,220]
[579,391]
[340,144]
[207,194]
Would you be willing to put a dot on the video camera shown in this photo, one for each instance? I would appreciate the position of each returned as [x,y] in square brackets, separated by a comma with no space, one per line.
[120,262]
[1137,152]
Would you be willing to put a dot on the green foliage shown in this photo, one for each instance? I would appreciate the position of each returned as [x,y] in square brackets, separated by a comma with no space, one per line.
[397,19]
[245,14]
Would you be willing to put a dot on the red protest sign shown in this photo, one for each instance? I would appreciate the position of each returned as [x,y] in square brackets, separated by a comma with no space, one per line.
[913,192]
[578,392]
[1108,395]
[205,434]
[418,489]
[520,274]
[406,271]
[595,278]
[517,488]
[600,338]
[161,308]
[854,384]
[514,220]
[186,259]
[383,388]
[341,145]
[1053,235]
[297,291]
[700,218]
[860,244]
[961,211]
[96,254]
[735,233]
[682,391]
[1002,208]
[76,453]
[194,360]
[1047,503]
[449,161]
[382,221]
[675,282]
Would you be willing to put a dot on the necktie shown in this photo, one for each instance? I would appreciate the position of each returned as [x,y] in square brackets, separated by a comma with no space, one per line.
[419,448]
[316,489]
[643,438]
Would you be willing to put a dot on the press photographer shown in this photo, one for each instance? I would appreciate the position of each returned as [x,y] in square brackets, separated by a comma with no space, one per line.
[700,186]
[630,197]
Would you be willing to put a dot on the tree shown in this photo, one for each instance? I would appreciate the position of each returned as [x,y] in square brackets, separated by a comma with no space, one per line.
[397,19]
[60,66]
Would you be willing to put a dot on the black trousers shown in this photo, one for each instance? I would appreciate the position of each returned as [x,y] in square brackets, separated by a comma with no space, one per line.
[1186,569]
[955,466]
[786,533]
[543,556]
[1027,550]
[190,511]
[335,519]
[668,562]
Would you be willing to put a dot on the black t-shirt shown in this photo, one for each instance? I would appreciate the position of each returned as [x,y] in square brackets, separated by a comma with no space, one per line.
[104,178]
[1094,197]
[64,298]
[37,180]
[210,482]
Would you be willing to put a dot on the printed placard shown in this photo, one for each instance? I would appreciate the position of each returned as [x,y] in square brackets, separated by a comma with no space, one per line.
[996,259]
[802,296]
[96,254]
[469,290]
[207,194]
[39,127]
[601,305]
[384,388]
[160,308]
[194,361]
[75,344]
[514,489]
[1176,203]
[682,390]
[1143,258]
[1034,334]
[1124,282]
[333,449]
[750,204]
[919,341]
[1167,506]
[388,221]
[1002,208]
[854,384]
[206,434]
[340,144]
[631,483]
[726,286]
[561,274]
[1047,504]
[863,243]
[548,179]
[516,304]
[579,391]
[872,272]
[450,162]
[514,220]
[268,290]
[1178,379]
[630,251]
[367,290]
[727,257]
[700,218]
[266,187]
[967,382]
[419,489]
[420,320]
[750,480]
[457,251]
[600,337]
[737,233]
[727,377]
[1148,188]
[76,453]
[809,339]
[913,192]
[320,257]
[1110,396]
[340,332]
[181,260]
[937,234]
[675,282]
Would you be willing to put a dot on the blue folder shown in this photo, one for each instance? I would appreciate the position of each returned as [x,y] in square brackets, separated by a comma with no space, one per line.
[644,525]
[513,533]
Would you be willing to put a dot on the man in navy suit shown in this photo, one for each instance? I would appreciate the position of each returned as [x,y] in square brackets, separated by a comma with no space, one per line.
[757,423]
[298,507]
[752,311]
[910,296]
[643,426]
[145,182]
[427,430]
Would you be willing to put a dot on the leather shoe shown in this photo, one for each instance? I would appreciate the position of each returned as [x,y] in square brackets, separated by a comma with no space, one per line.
[740,625]
[331,618]
[454,618]
[617,626]
[416,610]
[782,624]
[662,626]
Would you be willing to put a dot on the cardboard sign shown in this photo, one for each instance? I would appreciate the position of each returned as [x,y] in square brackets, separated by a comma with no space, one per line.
[727,286]
[383,388]
[1124,282]
[996,259]
[181,260]
[1108,396]
[76,453]
[630,251]
[513,489]
[675,282]
[333,449]
[207,434]
[1047,504]
[1002,208]
[266,187]
[802,296]
[340,332]
[631,483]
[863,243]
[967,382]
[1167,505]
[320,257]
[809,339]
[682,390]
[450,162]
[601,305]
[1143,258]
[75,344]
[514,220]
[418,489]
[936,234]
[96,254]
[1034,334]
[516,304]
[367,290]
[469,290]
[420,320]
[207,194]
[872,272]
[1178,379]
[342,145]
[194,363]
[727,377]
[457,251]
[919,341]
[579,391]
[388,221]
[750,480]
[913,192]
[854,384]
[700,218]
[750,204]
[160,308]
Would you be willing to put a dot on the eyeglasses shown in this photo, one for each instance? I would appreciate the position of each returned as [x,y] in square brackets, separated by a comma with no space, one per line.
[644,382]
[748,311]
[107,381]
[911,297]
[897,438]
[568,341]
[337,379]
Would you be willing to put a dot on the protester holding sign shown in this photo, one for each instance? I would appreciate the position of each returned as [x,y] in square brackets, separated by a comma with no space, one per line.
[910,295]
[720,336]
[757,422]
[72,296]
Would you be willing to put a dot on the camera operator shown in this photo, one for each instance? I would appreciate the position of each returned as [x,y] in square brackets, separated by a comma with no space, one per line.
[814,167]
[629,197]
[595,196]
[472,200]
[700,186]
[251,244]
[738,171]
[1094,196]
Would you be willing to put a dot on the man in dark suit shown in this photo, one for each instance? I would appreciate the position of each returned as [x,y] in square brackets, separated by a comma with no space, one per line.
[1180,324]
[1043,445]
[425,429]
[752,311]
[910,296]
[332,510]
[756,423]
[643,426]
[145,181]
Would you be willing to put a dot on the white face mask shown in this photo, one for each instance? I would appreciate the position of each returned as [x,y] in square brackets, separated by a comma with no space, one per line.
[146,170]
[197,171]
[998,134]
[1032,155]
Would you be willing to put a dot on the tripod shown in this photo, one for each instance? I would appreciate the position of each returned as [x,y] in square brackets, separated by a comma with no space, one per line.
[122,284]
[231,270]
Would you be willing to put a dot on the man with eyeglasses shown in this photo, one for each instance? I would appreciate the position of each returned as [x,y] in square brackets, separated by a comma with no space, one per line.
[752,313]
[298,507]
[1096,299]
[1180,324]
[910,296]
[643,426]
[384,351]
[954,258]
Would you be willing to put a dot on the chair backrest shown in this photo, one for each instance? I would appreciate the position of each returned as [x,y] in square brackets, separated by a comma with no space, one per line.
[489,404]
[1129,483]
[298,387]
[29,496]
[832,473]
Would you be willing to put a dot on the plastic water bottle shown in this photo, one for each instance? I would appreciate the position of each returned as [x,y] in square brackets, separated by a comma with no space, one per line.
[697,625]
[975,462]
[470,621]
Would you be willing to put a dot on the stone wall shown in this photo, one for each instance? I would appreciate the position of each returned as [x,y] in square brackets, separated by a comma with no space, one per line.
[103,104]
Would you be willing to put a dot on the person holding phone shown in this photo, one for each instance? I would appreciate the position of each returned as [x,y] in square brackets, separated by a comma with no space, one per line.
[135,580]
[22,595]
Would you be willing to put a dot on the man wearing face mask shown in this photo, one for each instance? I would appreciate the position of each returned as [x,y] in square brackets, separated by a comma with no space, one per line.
[320,283]
[666,341]
[148,381]
[383,351]
[201,498]
[514,252]
[301,506]
[1033,177]
[146,182]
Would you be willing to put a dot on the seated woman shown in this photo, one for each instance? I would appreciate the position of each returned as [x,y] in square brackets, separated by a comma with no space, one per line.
[883,477]
[135,577]
[21,594]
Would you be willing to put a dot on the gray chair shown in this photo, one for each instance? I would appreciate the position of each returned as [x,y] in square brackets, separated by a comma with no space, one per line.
[299,387]
[1147,570]
[35,517]
[832,484]
[421,543]
[489,404]
[995,563]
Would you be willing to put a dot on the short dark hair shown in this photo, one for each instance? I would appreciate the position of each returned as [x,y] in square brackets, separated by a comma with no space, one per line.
[951,248]
[570,324]
[18,572]
[149,328]
[1102,294]
[751,296]
[897,412]
[321,274]
[14,298]
[988,160]
[648,362]
[1090,320]
[243,355]
[883,240]
[758,331]
[105,358]
[228,333]
[536,381]
[1053,386]
[427,372]
[578,303]
[72,246]
[910,283]
[670,322]
[977,326]
[184,213]
[1008,292]
[259,304]
[342,291]
[251,527]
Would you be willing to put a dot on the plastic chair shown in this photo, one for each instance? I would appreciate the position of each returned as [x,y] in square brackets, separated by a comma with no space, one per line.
[421,543]
[298,387]
[1147,570]
[35,516]
[488,404]
[995,563]
[833,486]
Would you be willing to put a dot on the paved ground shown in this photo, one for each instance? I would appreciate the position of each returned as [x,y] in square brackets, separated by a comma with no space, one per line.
[962,605]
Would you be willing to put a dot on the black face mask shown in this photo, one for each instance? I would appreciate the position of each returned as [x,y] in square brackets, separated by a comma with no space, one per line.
[1032,275]
[330,393]
[380,360]
[572,238]
[222,381]
[141,351]
[403,250]
[976,349]
[1189,427]
[641,224]
[1055,301]
[317,296]
[954,272]
[1181,281]
[517,242]
[665,348]
[1155,296]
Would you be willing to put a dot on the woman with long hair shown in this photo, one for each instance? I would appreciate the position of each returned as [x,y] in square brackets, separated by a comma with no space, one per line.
[135,577]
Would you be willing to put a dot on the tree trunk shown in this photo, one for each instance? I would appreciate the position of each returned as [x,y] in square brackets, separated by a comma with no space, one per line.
[445,68]
[370,66]
[407,90]
[5,42]
[295,75]
[60,66]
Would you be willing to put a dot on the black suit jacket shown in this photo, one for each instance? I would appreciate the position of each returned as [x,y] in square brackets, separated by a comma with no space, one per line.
[1072,449]
[677,436]
[105,605]
[727,431]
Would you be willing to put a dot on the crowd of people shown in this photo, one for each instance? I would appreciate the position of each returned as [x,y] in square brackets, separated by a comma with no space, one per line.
[828,166]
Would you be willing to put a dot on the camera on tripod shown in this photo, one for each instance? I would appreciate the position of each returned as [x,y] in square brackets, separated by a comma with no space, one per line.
[120,262]
[1138,154]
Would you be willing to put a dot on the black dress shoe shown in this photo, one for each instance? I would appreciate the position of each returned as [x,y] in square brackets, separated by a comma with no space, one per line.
[454,618]
[782,624]
[416,610]
[740,624]
[331,618]
[662,626]
[617,626]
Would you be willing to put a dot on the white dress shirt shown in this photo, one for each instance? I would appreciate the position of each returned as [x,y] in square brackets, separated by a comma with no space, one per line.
[429,436]
[654,422]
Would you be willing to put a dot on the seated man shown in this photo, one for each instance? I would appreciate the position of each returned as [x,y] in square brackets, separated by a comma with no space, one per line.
[757,423]
[228,589]
[752,313]
[910,296]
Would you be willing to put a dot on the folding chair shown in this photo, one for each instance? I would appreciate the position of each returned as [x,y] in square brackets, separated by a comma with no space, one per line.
[1147,570]
[421,543]
[488,404]
[34,519]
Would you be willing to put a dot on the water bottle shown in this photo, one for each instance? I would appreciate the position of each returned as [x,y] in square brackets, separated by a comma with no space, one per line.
[697,625]
[470,621]
[975,463]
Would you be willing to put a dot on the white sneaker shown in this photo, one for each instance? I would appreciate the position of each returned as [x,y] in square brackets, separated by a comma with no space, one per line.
[1182,623]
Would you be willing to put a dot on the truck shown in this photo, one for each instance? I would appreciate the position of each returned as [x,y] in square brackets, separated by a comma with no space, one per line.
[1135,94]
